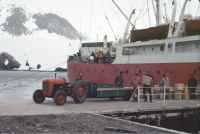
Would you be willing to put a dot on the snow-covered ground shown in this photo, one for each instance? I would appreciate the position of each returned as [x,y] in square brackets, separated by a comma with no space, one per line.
[20,85]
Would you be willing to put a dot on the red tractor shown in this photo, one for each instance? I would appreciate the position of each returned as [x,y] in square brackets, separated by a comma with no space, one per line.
[59,89]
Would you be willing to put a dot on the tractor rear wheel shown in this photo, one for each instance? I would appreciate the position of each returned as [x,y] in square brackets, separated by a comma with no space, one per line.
[38,97]
[60,97]
[80,91]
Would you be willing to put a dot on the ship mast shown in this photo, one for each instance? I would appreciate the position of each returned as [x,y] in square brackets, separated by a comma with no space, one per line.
[158,12]
[127,26]
[172,23]
[181,17]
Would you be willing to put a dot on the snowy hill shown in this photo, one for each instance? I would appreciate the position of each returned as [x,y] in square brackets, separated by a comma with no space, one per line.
[39,37]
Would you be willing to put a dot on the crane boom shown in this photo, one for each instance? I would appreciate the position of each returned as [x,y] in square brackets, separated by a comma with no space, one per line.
[109,24]
[125,16]
[127,26]
[181,17]
[172,23]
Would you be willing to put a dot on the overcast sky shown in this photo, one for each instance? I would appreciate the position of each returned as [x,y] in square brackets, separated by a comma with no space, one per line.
[87,16]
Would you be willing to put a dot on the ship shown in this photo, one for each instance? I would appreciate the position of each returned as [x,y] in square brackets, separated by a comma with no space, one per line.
[172,48]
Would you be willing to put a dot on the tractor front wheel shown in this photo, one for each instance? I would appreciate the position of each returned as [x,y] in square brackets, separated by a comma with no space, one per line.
[38,97]
[60,98]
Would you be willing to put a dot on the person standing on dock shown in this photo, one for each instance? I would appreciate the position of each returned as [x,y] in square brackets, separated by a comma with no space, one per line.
[147,86]
[119,80]
[164,84]
[135,83]
[192,84]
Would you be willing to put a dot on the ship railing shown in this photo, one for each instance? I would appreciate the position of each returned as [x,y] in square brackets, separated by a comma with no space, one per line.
[165,93]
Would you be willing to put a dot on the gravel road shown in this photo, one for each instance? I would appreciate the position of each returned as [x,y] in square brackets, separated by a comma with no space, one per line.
[71,124]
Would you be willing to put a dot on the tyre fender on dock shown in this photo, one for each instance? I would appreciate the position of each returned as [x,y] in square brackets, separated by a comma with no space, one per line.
[80,90]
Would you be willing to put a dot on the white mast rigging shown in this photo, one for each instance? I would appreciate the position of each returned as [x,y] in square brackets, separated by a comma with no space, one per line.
[158,12]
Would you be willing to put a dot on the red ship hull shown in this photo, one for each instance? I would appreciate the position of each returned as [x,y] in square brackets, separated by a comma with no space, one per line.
[106,73]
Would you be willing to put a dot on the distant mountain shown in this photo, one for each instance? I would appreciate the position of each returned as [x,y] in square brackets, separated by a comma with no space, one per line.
[15,24]
[55,24]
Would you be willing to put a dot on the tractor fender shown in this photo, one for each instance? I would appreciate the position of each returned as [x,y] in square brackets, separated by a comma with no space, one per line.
[58,87]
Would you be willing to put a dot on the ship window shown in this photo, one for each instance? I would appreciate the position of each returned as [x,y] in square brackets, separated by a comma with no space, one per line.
[93,44]
[162,48]
[113,49]
[128,51]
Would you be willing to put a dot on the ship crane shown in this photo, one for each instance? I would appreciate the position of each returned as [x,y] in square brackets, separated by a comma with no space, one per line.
[181,17]
[109,24]
[125,16]
[180,24]
[127,26]
[128,21]
[171,27]
[178,31]
[172,23]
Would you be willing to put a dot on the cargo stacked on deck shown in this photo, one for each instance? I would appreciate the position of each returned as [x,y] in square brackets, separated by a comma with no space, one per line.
[192,27]
[152,33]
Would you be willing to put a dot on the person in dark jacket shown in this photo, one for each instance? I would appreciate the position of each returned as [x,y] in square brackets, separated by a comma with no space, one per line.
[192,84]
[119,80]
[147,86]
